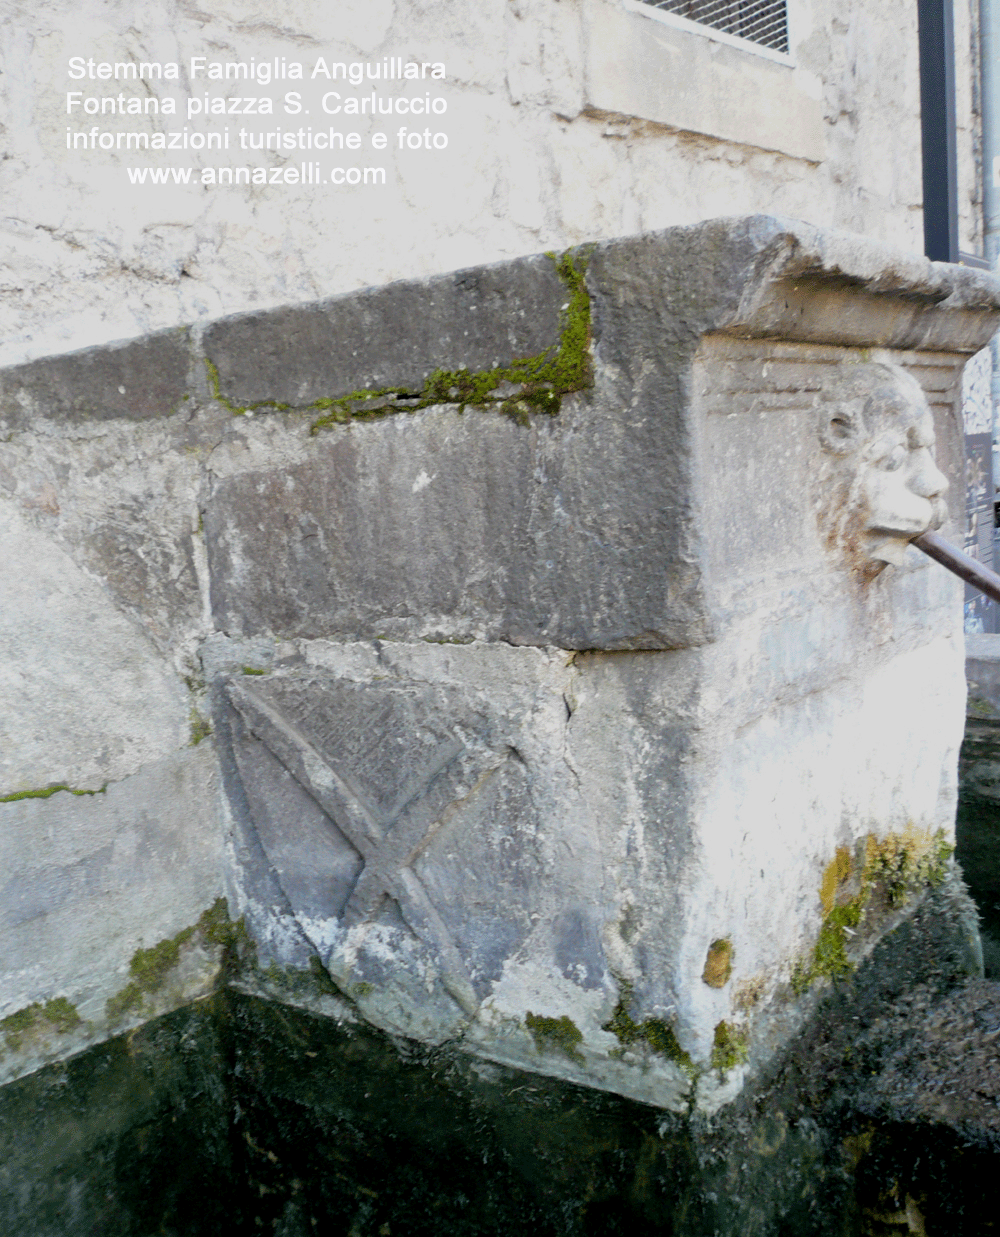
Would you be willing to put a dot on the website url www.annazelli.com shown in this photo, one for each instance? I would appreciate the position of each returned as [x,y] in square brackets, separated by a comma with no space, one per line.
[304,174]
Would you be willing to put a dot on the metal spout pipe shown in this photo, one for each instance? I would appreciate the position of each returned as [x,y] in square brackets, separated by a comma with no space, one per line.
[943,552]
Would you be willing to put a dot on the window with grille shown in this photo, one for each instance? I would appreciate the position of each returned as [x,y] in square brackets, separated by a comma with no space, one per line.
[760,21]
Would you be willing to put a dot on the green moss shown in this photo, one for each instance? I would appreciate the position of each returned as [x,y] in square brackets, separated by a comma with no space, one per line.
[129,1000]
[655,1034]
[362,989]
[979,707]
[254,670]
[895,866]
[150,968]
[729,1047]
[47,791]
[215,925]
[542,380]
[237,409]
[59,1015]
[561,1034]
[907,861]
[201,728]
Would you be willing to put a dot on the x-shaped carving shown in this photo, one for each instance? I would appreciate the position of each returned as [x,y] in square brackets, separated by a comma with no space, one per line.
[388,841]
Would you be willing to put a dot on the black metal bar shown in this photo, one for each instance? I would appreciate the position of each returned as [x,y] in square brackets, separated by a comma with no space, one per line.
[936,27]
[943,552]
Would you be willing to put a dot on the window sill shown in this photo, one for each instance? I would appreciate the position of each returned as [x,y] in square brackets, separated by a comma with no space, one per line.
[665,72]
[706,32]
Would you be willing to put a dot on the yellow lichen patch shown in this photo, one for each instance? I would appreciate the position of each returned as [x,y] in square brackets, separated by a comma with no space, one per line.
[835,874]
[718,963]
[888,869]
[907,860]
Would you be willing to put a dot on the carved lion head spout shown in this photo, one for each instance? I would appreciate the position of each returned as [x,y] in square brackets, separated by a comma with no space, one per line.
[885,488]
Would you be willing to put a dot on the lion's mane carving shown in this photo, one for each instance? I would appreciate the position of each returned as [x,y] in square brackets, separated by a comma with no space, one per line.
[881,487]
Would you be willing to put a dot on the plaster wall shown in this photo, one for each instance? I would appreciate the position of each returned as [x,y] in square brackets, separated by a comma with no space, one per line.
[569,121]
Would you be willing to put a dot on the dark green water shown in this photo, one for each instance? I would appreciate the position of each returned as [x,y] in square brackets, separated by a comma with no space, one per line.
[241,1116]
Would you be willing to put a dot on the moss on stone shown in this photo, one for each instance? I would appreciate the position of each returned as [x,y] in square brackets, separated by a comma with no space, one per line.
[150,968]
[561,1034]
[47,791]
[897,865]
[254,670]
[217,928]
[541,380]
[904,862]
[298,982]
[839,870]
[201,728]
[729,1047]
[657,1035]
[718,963]
[58,1014]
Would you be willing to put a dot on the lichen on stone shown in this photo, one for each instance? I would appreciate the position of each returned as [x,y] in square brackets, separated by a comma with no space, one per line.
[718,963]
[561,1034]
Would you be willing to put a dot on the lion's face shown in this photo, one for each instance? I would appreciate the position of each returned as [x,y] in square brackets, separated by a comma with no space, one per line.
[877,420]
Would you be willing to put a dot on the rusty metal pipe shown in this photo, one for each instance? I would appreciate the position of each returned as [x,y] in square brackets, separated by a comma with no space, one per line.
[943,552]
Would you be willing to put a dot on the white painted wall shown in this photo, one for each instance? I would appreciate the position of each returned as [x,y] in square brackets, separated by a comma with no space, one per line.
[568,121]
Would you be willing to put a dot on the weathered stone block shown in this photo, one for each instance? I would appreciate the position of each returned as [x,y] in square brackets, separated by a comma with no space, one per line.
[137,379]
[733,486]
[88,880]
[85,698]
[583,530]
[390,336]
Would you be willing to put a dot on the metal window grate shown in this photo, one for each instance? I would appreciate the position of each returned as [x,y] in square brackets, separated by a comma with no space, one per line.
[761,21]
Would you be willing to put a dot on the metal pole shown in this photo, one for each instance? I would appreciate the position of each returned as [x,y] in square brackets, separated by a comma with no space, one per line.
[943,552]
[936,33]
[989,107]
[989,63]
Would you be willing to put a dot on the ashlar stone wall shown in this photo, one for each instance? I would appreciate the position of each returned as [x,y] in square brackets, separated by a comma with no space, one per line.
[515,652]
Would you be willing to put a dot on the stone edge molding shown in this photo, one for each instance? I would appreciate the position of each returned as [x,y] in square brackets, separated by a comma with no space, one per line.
[761,277]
